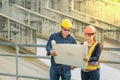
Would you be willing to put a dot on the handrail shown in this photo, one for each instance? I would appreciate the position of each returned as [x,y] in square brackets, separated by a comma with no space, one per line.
[26,45]
[111,49]
[45,21]
[78,21]
[36,45]
[49,10]
[15,31]
[47,57]
[22,55]
[103,21]
[103,31]
[79,24]
[94,18]
[16,21]
[23,76]
[22,8]
[72,17]
[17,55]
[109,61]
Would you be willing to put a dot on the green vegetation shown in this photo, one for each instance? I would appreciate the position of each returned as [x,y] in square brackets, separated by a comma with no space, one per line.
[115,0]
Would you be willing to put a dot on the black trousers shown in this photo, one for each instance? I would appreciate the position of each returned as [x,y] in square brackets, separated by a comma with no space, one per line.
[92,75]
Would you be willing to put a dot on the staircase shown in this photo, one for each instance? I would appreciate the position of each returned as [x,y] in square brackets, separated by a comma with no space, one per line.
[109,28]
[80,23]
[58,16]
[14,31]
[46,20]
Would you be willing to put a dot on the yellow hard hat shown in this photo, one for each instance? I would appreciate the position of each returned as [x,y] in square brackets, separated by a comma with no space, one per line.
[66,24]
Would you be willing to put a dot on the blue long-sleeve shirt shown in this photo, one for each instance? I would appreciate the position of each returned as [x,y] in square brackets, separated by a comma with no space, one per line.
[96,53]
[59,39]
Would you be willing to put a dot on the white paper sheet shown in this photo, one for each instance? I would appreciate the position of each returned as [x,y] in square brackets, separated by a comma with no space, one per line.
[70,54]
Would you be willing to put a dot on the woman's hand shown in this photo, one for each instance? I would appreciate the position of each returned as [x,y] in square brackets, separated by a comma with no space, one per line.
[86,59]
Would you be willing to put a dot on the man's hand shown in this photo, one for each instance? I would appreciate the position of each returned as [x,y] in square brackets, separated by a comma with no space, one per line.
[52,52]
[72,67]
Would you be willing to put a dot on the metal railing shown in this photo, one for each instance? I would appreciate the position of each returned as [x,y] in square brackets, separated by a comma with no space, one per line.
[17,55]
[109,29]
[42,23]
[14,31]
[103,29]
[55,15]
[113,34]
[79,24]
[91,19]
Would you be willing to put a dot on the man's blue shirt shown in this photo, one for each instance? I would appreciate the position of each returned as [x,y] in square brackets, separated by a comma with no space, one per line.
[59,39]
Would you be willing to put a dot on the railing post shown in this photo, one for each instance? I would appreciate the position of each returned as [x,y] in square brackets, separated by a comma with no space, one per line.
[71,4]
[17,54]
[8,29]
[29,18]
[102,36]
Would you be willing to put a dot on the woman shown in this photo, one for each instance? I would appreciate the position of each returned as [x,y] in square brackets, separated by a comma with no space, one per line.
[92,72]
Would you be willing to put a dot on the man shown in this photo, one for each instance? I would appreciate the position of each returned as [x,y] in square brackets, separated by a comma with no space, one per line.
[62,37]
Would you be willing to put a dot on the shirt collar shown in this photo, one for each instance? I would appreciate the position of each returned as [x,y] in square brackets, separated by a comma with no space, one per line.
[62,36]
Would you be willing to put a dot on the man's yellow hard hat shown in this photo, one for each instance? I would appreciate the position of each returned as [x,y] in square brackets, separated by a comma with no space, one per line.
[66,24]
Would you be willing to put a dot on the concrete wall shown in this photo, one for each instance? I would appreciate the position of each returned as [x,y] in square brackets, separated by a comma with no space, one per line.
[60,5]
[100,9]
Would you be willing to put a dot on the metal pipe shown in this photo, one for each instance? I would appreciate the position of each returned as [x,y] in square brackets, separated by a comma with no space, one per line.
[48,57]
[35,45]
[17,55]
[27,45]
[111,49]
[110,61]
[17,70]
[25,55]
[23,76]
